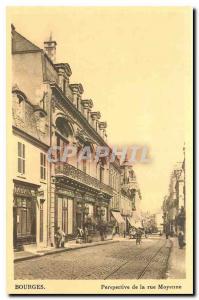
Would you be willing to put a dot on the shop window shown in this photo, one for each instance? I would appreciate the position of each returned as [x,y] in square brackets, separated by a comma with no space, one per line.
[42,166]
[21,158]
[65,215]
[70,216]
[25,217]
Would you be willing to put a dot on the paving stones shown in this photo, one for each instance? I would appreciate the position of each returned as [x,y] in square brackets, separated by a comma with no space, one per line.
[122,260]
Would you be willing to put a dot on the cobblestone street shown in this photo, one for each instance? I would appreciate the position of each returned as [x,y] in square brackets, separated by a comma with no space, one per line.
[121,260]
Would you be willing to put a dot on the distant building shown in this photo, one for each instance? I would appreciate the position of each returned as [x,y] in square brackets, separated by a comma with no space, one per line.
[174,202]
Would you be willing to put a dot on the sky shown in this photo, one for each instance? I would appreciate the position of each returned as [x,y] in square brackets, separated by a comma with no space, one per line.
[135,64]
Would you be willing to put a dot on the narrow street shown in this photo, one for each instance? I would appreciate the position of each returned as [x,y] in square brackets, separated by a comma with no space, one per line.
[120,260]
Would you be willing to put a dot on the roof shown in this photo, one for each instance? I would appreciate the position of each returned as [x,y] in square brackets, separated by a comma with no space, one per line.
[21,44]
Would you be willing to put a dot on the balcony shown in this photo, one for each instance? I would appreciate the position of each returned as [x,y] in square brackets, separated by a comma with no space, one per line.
[75,174]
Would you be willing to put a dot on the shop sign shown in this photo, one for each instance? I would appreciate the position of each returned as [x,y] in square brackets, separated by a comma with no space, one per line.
[25,190]
[65,192]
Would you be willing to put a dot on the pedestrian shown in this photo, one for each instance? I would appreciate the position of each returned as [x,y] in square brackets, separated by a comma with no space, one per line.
[113,231]
[181,239]
[61,234]
[138,236]
[86,234]
[167,234]
[80,235]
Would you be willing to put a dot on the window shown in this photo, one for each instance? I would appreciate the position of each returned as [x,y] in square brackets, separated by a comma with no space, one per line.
[43,166]
[21,158]
[26,225]
[64,215]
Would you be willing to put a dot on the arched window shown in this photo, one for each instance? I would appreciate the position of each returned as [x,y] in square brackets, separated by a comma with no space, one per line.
[64,128]
[64,135]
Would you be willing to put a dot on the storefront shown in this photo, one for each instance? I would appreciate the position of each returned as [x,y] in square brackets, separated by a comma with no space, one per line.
[64,211]
[24,214]
[120,222]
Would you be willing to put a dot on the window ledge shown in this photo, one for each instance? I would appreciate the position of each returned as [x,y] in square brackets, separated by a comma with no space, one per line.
[43,181]
[21,176]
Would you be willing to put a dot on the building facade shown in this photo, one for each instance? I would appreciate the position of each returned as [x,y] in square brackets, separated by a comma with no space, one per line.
[30,143]
[174,202]
[49,112]
[55,130]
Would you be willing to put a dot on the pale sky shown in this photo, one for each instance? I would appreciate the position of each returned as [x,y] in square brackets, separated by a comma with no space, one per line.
[135,64]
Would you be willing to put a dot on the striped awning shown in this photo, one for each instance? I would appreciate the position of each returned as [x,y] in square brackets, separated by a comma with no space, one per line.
[134,223]
[118,217]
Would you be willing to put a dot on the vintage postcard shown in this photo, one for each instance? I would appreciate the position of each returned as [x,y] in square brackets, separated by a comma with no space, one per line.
[100,144]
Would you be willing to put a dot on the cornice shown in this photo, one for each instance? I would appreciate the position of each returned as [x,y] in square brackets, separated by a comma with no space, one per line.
[65,67]
[78,114]
[77,87]
[30,138]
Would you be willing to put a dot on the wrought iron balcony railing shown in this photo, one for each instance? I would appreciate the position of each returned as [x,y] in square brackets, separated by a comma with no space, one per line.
[80,176]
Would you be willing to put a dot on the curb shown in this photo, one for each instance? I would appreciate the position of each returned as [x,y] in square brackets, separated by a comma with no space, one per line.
[168,260]
[62,250]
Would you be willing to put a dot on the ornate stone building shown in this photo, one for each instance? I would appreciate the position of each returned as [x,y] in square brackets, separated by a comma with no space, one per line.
[174,203]
[130,197]
[50,112]
[52,189]
[125,204]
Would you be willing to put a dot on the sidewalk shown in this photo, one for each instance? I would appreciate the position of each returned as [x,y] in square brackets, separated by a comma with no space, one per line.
[176,263]
[69,246]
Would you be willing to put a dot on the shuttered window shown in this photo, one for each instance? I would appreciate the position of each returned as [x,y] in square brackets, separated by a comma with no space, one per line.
[43,166]
[21,158]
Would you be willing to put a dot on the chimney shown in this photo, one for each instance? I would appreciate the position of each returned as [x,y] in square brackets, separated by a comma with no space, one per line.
[50,48]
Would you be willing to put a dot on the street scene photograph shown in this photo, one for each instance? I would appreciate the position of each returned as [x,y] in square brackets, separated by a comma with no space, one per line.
[100,124]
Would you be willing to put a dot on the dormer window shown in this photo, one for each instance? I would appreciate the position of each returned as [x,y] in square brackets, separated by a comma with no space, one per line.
[77,90]
[64,72]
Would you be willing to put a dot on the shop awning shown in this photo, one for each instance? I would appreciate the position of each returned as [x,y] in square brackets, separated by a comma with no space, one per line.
[132,222]
[136,224]
[118,217]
